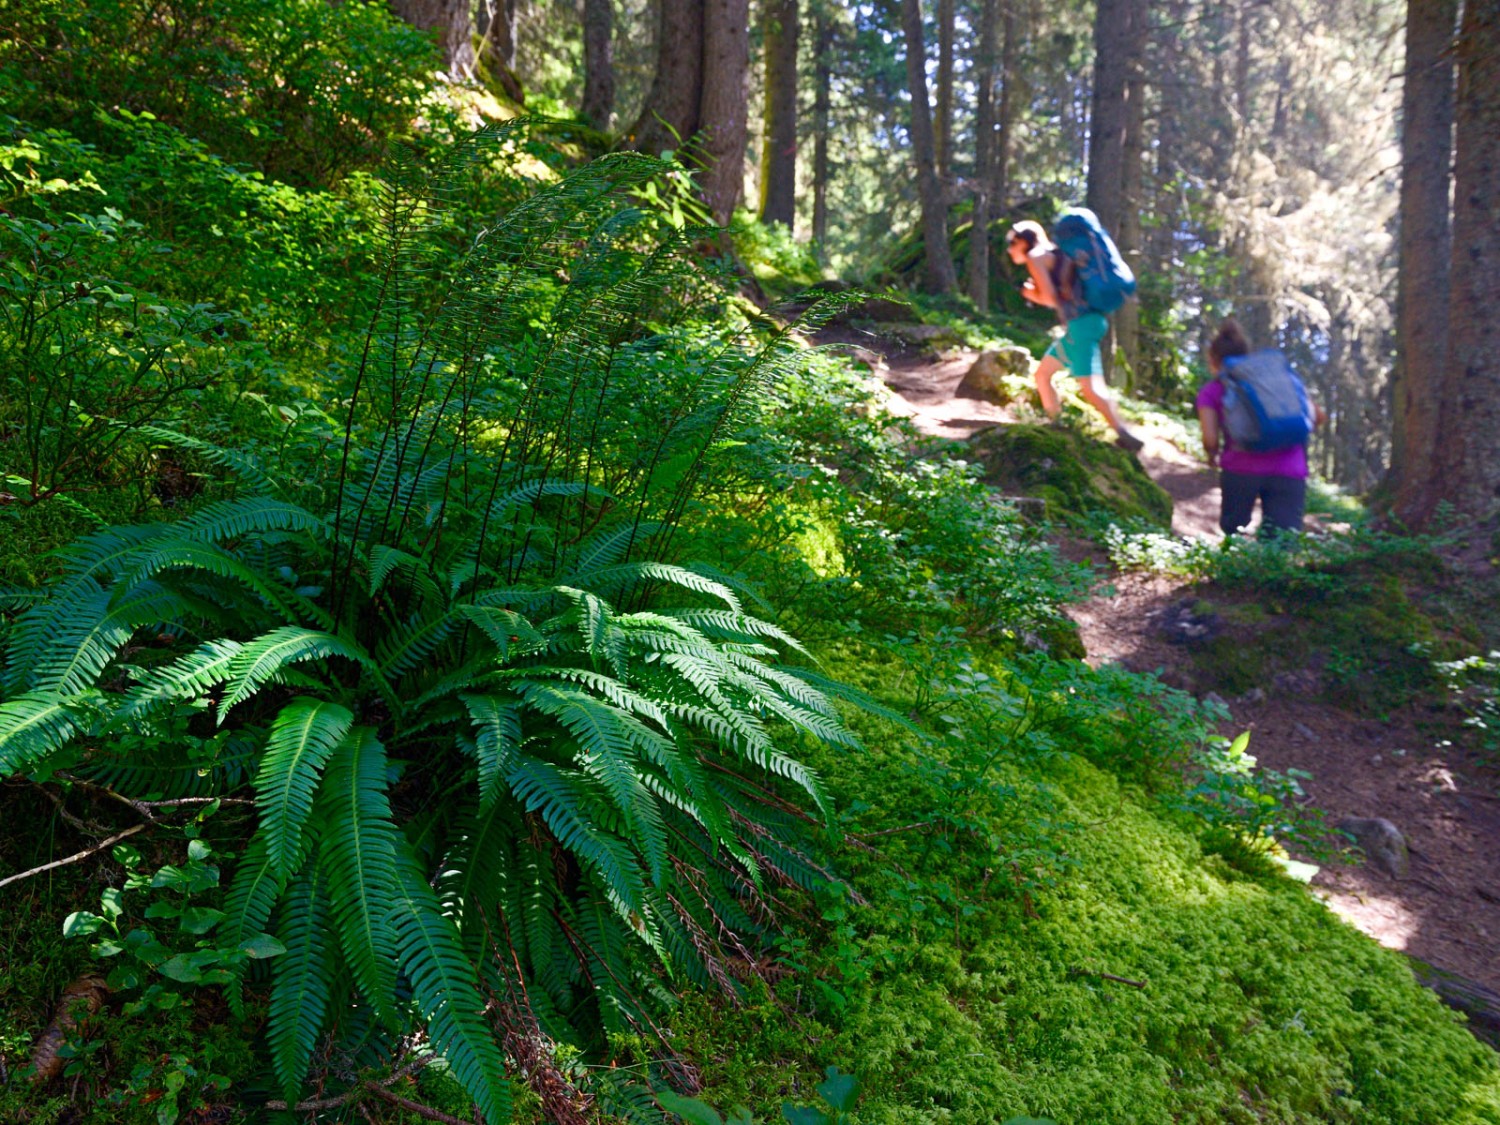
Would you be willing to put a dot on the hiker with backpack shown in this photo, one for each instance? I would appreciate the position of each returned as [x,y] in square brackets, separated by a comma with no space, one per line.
[1081,275]
[1256,420]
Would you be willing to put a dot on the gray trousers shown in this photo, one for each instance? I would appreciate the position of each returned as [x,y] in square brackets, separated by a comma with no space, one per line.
[1282,501]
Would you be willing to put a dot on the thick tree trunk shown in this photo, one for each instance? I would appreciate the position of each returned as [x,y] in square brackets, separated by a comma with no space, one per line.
[1470,431]
[778,162]
[723,113]
[940,274]
[1422,250]
[454,26]
[1118,35]
[943,123]
[822,97]
[669,117]
[598,62]
[497,51]
[1008,78]
[984,137]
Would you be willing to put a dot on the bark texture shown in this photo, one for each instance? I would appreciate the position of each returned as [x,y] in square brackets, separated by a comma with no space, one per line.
[1119,36]
[1423,248]
[454,26]
[778,161]
[723,115]
[669,117]
[984,137]
[1470,430]
[1008,78]
[598,62]
[497,52]
[943,123]
[940,276]
[822,97]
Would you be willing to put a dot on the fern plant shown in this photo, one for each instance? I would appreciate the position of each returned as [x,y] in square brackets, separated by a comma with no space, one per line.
[500,742]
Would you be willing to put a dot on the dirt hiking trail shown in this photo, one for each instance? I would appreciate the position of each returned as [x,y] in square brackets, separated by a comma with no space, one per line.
[1446,911]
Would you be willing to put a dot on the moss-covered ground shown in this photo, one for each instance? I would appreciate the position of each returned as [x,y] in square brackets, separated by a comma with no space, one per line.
[1050,941]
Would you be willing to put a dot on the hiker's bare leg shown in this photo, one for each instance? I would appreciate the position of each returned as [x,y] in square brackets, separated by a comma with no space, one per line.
[1044,372]
[1093,392]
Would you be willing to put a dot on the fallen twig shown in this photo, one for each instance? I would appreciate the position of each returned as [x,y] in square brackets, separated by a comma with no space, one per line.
[99,847]
[1109,976]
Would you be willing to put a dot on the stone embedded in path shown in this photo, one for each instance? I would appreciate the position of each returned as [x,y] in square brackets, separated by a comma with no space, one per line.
[985,379]
[1382,843]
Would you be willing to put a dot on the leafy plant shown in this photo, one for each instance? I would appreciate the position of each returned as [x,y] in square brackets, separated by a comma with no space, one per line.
[500,743]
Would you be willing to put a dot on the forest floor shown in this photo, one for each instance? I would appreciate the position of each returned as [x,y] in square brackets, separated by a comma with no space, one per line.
[1446,912]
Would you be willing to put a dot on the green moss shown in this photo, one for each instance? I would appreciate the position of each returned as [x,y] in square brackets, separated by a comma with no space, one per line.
[1075,474]
[1257,1005]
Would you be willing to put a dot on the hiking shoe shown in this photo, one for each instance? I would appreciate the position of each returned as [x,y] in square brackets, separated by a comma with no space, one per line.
[1130,443]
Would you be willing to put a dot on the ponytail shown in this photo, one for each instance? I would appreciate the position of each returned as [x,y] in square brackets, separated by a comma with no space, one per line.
[1229,341]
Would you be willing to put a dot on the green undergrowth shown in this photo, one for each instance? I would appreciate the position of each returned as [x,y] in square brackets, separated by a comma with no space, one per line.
[1362,613]
[973,978]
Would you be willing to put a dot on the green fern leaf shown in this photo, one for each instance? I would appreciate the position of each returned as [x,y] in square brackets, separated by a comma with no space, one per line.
[505,628]
[303,979]
[188,677]
[263,659]
[247,907]
[32,726]
[497,735]
[358,853]
[562,801]
[303,736]
[234,519]
[444,990]
[89,640]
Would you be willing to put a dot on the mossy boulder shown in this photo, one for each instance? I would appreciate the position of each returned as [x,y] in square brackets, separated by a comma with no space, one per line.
[1001,376]
[1074,473]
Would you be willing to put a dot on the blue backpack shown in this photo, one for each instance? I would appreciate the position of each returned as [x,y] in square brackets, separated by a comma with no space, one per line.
[1265,405]
[1102,280]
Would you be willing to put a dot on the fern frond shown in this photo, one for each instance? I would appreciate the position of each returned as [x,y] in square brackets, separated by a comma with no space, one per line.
[505,628]
[34,725]
[263,658]
[303,736]
[85,643]
[303,979]
[248,904]
[497,738]
[234,519]
[188,677]
[358,854]
[562,802]
[239,464]
[443,988]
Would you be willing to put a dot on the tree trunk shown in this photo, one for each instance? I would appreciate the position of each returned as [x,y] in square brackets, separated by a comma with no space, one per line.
[822,97]
[454,26]
[778,162]
[1008,78]
[497,51]
[1118,26]
[1470,431]
[669,118]
[984,136]
[1422,250]
[598,62]
[1132,199]
[722,114]
[940,277]
[943,125]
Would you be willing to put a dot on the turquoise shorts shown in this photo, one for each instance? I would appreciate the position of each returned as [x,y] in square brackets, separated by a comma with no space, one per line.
[1078,347]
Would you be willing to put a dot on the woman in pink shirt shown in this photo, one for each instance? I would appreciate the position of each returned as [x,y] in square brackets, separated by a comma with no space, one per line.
[1278,478]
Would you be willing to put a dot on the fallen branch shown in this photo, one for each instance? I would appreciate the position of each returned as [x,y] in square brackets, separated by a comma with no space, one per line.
[415,1107]
[99,847]
[1108,976]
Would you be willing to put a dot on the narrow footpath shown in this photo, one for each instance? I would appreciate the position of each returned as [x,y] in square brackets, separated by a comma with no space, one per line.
[1446,911]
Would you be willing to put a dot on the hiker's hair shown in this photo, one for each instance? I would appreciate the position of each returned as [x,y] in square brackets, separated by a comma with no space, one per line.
[1030,232]
[1230,340]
